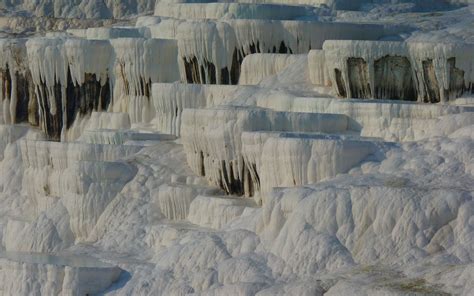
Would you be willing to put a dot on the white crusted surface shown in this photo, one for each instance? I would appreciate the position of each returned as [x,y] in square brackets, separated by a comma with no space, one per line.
[356,216]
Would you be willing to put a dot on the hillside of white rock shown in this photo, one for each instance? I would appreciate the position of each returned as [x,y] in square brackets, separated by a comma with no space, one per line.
[264,147]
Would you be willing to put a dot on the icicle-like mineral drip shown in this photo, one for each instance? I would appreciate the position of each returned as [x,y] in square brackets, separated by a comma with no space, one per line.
[71,79]
[212,51]
[295,159]
[16,87]
[213,145]
[138,64]
[170,99]
[413,71]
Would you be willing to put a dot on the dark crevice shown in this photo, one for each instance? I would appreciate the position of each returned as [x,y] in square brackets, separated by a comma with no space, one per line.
[251,179]
[253,48]
[246,182]
[283,48]
[358,78]
[225,76]
[207,73]
[88,97]
[211,70]
[192,70]
[203,75]
[430,83]
[394,79]
[25,91]
[26,105]
[80,100]
[51,123]
[340,84]
[235,68]
[456,81]
[201,164]
[6,83]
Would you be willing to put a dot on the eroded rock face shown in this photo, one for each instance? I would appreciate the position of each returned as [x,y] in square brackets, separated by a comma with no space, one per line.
[430,83]
[51,118]
[213,51]
[74,77]
[80,100]
[170,99]
[70,78]
[17,91]
[410,71]
[206,73]
[85,98]
[216,153]
[457,84]
[271,186]
[340,83]
[359,84]
[394,79]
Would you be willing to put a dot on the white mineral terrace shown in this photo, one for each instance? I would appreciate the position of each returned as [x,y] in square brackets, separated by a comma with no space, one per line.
[170,99]
[230,10]
[247,148]
[54,275]
[409,71]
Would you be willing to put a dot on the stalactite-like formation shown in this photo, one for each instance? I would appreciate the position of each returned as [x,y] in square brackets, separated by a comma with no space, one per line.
[81,100]
[138,64]
[50,109]
[340,83]
[358,78]
[394,79]
[214,50]
[170,99]
[276,159]
[410,71]
[213,144]
[16,87]
[85,98]
[71,80]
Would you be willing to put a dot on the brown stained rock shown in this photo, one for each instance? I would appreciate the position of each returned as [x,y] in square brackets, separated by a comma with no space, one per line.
[207,72]
[340,84]
[394,79]
[457,84]
[430,83]
[359,78]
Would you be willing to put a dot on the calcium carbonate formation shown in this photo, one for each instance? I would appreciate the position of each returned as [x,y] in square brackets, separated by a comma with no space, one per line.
[17,92]
[102,69]
[264,147]
[413,71]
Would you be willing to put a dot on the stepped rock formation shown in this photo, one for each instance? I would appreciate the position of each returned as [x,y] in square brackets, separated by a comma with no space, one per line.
[413,71]
[277,147]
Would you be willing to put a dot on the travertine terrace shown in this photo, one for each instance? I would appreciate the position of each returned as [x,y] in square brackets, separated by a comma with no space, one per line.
[263,147]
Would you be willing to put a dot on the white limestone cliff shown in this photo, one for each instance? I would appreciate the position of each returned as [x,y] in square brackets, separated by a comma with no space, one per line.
[212,139]
[139,63]
[209,150]
[425,72]
[256,67]
[170,99]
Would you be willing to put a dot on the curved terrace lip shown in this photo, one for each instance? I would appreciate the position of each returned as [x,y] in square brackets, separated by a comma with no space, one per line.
[205,147]
[77,261]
